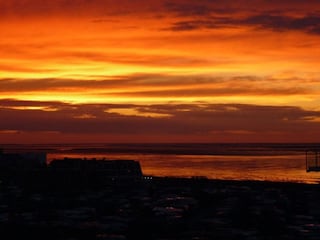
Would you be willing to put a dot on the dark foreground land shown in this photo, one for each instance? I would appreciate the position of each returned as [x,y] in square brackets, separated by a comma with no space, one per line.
[160,208]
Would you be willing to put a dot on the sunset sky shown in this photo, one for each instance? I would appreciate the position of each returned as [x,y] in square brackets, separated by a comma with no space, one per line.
[159,71]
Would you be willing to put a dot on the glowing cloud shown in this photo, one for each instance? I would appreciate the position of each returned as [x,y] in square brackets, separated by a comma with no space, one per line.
[64,57]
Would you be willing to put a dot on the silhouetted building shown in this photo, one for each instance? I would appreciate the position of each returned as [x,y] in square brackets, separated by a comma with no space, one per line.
[77,173]
[22,168]
[22,161]
[109,168]
[31,169]
[313,160]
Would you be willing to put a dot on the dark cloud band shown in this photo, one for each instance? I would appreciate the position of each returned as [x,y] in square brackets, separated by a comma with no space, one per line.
[184,119]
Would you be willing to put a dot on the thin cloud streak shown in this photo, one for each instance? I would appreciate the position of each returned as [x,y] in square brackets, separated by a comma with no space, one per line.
[166,85]
[307,23]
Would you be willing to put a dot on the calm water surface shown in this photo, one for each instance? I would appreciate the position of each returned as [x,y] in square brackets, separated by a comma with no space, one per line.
[272,162]
[275,162]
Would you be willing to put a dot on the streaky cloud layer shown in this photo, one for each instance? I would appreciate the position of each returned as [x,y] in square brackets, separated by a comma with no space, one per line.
[164,71]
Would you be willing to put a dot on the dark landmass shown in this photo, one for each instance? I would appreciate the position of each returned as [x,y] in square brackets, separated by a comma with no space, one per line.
[111,199]
[160,208]
[170,148]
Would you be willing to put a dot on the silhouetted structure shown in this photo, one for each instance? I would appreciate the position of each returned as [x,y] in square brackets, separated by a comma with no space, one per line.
[32,170]
[93,172]
[112,168]
[22,161]
[312,160]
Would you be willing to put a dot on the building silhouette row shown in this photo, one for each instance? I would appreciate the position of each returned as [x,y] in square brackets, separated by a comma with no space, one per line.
[32,168]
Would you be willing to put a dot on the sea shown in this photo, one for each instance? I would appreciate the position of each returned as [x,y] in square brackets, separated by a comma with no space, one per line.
[278,162]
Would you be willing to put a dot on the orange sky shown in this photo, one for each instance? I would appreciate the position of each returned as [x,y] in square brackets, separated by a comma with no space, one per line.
[159,71]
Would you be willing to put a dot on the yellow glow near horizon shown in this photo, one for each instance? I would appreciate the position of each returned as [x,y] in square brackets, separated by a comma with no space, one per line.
[307,102]
[46,109]
[134,112]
